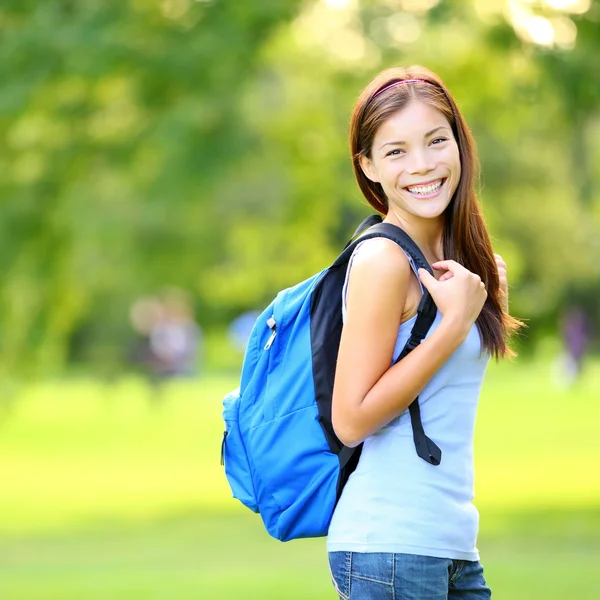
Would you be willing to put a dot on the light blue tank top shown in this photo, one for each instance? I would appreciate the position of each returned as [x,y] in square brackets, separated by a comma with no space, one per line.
[396,502]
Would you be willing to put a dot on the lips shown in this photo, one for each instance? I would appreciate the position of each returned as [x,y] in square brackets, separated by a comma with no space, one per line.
[426,189]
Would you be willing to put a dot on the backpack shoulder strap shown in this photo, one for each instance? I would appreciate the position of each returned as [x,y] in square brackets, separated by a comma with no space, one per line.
[427,310]
[426,313]
[368,222]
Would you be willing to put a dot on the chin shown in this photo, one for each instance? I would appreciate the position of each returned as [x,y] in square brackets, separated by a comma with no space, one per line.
[431,213]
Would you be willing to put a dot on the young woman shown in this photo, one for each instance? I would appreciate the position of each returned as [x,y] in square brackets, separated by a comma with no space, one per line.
[403,528]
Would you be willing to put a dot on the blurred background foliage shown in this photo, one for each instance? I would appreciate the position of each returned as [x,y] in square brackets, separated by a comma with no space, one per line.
[202,144]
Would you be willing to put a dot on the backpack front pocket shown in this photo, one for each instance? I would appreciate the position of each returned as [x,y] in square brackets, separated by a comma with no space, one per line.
[233,454]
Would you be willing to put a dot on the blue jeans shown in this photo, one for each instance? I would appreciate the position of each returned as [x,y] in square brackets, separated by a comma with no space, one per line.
[387,576]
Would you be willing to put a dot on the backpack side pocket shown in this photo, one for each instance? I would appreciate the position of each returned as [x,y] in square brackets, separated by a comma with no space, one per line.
[233,454]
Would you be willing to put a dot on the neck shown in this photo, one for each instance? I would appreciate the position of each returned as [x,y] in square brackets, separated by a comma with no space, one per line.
[427,233]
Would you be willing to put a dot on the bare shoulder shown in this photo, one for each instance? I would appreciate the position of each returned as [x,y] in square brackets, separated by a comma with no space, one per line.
[381,258]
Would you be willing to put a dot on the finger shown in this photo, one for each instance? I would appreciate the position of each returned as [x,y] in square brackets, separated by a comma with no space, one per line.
[447,275]
[449,265]
[499,261]
[428,280]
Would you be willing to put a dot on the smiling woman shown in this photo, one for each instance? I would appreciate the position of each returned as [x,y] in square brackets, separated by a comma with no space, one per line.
[406,528]
[408,132]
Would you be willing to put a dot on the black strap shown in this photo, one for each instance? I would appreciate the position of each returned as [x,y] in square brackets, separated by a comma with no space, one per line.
[390,232]
[344,455]
[368,222]
[426,448]
[403,240]
[426,313]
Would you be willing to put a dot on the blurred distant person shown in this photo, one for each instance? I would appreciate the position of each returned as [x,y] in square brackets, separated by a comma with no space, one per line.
[240,329]
[405,526]
[576,338]
[175,339]
[144,314]
[170,340]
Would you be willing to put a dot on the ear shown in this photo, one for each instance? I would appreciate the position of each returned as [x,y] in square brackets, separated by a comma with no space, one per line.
[366,164]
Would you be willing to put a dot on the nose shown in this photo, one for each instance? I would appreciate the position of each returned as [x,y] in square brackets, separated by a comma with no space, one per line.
[421,162]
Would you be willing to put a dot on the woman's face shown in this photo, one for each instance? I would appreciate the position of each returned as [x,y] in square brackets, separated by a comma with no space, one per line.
[416,160]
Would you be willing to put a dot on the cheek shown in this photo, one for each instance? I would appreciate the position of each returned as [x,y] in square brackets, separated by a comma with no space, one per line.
[388,172]
[458,172]
[454,164]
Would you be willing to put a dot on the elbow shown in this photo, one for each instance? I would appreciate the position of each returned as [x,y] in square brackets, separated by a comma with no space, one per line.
[352,442]
[348,435]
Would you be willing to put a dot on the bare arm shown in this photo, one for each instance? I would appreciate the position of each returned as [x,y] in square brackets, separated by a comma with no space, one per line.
[368,393]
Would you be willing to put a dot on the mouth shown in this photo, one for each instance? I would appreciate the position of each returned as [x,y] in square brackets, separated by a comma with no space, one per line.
[426,190]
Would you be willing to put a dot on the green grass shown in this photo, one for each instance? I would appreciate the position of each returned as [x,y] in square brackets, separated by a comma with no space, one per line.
[109,492]
[228,556]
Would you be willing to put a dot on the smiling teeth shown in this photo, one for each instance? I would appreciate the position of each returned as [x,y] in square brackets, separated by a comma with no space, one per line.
[425,190]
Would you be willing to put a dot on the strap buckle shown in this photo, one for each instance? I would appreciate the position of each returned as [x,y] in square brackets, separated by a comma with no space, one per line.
[412,343]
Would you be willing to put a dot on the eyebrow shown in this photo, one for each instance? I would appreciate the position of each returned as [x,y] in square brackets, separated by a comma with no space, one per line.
[426,135]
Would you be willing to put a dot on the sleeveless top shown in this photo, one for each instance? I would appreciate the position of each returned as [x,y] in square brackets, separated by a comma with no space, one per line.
[395,501]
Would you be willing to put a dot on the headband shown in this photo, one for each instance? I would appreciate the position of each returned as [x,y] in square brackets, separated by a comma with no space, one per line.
[387,87]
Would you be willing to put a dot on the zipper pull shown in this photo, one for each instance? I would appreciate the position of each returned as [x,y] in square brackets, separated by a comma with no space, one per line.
[223,448]
[273,327]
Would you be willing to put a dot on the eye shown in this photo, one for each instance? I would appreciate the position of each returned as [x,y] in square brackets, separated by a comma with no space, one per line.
[439,140]
[395,152]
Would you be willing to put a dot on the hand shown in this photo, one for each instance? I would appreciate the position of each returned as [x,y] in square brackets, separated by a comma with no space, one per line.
[459,294]
[502,275]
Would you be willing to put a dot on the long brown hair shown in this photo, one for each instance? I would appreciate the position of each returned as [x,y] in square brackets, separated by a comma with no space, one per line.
[465,239]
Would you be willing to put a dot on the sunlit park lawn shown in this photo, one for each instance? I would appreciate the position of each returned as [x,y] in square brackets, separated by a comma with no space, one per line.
[108,494]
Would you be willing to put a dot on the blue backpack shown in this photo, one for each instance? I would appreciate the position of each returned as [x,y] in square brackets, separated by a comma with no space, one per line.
[282,457]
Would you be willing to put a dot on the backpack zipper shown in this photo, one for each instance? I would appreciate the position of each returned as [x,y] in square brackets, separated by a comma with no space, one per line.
[273,327]
[223,448]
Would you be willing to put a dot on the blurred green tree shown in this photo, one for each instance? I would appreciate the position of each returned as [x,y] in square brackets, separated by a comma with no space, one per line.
[202,144]
[116,120]
[533,108]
